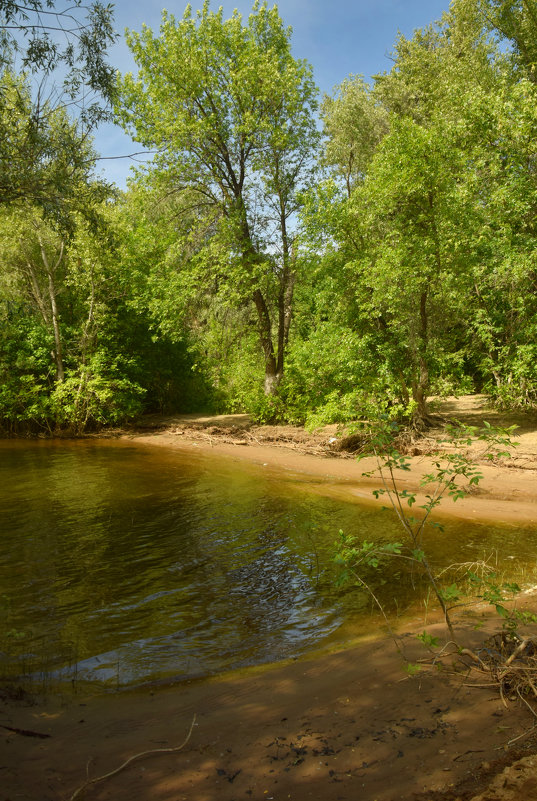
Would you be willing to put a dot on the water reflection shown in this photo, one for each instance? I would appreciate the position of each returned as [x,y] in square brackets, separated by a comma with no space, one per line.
[122,563]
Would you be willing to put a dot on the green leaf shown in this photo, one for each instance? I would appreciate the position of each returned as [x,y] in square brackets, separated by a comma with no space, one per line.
[428,639]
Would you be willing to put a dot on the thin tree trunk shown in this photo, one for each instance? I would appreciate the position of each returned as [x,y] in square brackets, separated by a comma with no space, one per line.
[272,374]
[285,295]
[51,270]
[421,382]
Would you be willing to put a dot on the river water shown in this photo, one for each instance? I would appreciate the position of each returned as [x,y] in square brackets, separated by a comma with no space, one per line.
[122,564]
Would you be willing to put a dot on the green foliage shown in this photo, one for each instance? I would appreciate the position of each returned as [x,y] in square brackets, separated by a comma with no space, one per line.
[436,240]
[516,22]
[492,590]
[231,113]
[75,355]
[428,640]
[56,84]
[327,376]
[47,158]
[240,274]
[94,397]
[234,367]
[25,375]
[454,473]
[370,554]
[354,124]
[30,31]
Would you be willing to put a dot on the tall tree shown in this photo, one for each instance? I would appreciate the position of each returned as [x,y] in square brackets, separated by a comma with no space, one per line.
[419,218]
[516,22]
[354,124]
[53,67]
[231,112]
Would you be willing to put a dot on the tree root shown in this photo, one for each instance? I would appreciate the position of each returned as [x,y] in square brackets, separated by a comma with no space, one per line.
[509,663]
[131,759]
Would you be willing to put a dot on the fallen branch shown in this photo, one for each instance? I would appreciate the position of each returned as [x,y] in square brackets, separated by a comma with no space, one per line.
[518,650]
[131,759]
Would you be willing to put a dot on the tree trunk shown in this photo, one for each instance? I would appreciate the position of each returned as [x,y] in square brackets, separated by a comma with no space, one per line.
[285,298]
[272,376]
[421,382]
[50,271]
[274,357]
[272,382]
[58,349]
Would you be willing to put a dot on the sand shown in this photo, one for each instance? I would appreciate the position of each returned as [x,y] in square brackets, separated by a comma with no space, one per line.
[348,725]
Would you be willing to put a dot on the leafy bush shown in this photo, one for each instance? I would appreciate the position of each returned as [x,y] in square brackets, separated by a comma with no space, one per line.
[96,394]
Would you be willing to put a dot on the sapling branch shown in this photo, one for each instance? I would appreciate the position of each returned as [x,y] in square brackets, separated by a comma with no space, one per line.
[449,470]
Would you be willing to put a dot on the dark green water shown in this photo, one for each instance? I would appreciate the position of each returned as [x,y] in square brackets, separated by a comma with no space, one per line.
[123,564]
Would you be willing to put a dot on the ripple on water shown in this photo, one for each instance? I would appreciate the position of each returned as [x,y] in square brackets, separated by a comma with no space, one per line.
[123,564]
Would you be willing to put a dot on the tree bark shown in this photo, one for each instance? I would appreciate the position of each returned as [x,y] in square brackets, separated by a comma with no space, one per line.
[50,271]
[272,375]
[421,382]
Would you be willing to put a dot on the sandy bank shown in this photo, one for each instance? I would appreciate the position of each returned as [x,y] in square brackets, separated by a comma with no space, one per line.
[507,492]
[344,726]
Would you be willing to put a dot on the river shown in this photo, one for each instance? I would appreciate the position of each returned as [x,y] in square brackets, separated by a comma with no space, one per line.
[122,564]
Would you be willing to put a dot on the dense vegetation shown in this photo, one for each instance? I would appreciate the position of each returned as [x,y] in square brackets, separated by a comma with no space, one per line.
[256,263]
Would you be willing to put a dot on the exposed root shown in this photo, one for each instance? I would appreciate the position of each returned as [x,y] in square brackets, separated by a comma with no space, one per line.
[506,662]
[510,663]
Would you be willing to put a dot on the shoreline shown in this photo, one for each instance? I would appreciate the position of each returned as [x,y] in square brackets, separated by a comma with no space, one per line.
[337,724]
[507,493]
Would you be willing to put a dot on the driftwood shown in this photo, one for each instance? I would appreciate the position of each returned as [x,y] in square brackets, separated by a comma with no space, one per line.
[242,436]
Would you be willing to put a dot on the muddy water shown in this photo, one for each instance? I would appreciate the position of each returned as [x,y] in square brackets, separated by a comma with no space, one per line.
[123,564]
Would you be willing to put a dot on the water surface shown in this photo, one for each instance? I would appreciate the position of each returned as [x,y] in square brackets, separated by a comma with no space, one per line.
[122,563]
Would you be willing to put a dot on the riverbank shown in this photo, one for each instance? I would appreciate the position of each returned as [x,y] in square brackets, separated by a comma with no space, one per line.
[506,493]
[337,726]
[340,726]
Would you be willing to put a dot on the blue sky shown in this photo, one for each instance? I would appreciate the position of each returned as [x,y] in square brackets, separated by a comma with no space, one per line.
[338,38]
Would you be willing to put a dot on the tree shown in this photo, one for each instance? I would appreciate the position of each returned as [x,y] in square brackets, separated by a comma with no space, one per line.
[55,87]
[70,355]
[232,115]
[354,124]
[516,21]
[37,254]
[414,264]
[440,228]
[45,157]
[73,38]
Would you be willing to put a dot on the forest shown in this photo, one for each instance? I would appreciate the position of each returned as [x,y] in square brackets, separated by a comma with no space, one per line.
[304,259]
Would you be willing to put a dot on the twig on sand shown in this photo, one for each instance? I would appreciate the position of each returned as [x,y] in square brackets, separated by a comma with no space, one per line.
[97,779]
